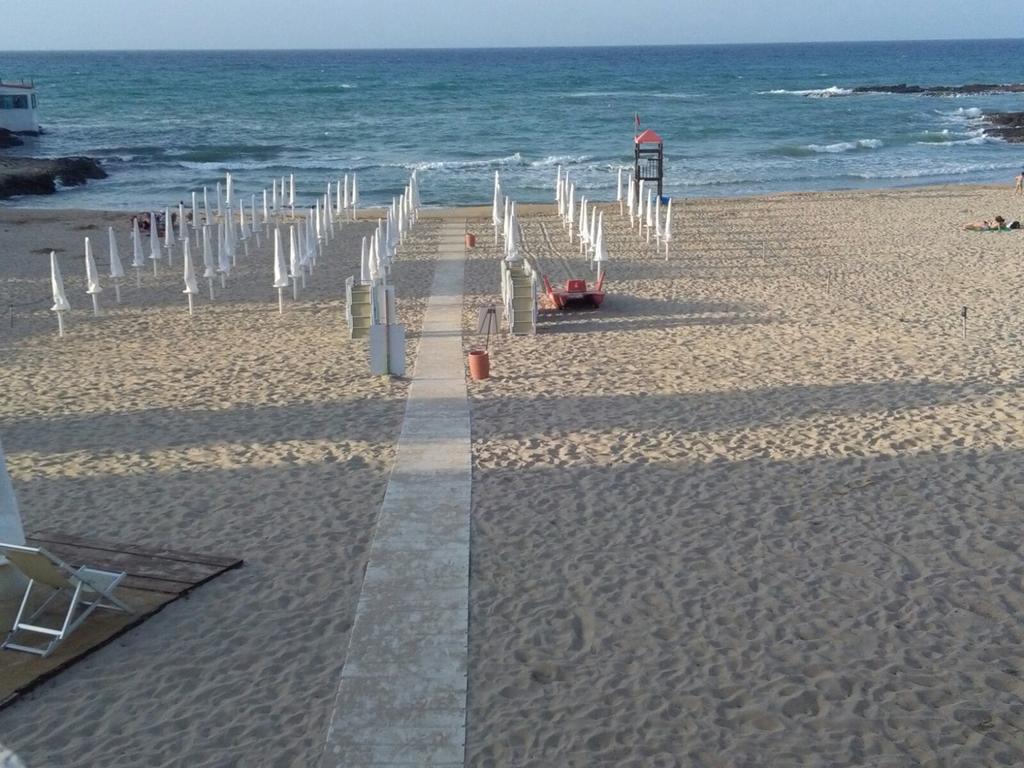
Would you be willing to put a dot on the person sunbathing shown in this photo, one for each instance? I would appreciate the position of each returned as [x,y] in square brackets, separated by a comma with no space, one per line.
[986,226]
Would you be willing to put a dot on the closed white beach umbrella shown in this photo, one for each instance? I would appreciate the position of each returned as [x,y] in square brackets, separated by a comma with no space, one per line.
[92,278]
[182,231]
[266,212]
[154,241]
[584,226]
[631,202]
[293,261]
[116,268]
[355,195]
[208,263]
[640,199]
[592,236]
[280,271]
[364,263]
[618,189]
[229,197]
[224,251]
[220,200]
[344,190]
[599,254]
[570,211]
[657,218]
[558,184]
[513,239]
[195,215]
[668,226]
[338,207]
[11,532]
[138,254]
[291,190]
[650,213]
[374,260]
[206,206]
[168,235]
[60,300]
[191,287]
[273,192]
[254,228]
[497,217]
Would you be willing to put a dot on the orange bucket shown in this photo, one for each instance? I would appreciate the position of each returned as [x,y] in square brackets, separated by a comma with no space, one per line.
[470,241]
[479,364]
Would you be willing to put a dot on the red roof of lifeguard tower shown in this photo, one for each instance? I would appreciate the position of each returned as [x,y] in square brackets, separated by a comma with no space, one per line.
[649,137]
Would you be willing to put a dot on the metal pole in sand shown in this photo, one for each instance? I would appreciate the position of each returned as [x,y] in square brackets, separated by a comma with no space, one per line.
[117,290]
[280,300]
[190,304]
[138,277]
[60,324]
[963,316]
[209,280]
[96,306]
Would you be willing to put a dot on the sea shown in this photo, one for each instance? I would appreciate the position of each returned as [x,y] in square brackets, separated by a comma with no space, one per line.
[735,119]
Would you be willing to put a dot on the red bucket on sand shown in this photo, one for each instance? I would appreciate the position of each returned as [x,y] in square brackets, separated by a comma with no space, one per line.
[479,364]
[470,240]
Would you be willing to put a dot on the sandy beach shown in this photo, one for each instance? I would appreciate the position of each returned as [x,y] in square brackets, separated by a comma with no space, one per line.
[750,513]
[760,509]
[241,431]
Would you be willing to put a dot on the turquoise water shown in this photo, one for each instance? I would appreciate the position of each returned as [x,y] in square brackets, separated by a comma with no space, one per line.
[741,119]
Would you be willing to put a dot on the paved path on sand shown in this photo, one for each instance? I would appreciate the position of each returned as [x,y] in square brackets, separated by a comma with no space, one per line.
[402,696]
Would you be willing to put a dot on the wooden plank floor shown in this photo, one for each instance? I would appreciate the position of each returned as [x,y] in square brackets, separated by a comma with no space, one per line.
[153,570]
[155,578]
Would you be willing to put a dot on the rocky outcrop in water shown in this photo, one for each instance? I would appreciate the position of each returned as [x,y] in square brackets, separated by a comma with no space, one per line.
[40,176]
[1008,126]
[972,89]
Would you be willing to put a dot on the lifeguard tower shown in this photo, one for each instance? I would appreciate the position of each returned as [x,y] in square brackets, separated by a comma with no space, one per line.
[649,164]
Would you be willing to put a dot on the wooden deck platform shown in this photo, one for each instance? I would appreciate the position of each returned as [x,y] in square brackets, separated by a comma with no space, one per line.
[152,570]
[155,578]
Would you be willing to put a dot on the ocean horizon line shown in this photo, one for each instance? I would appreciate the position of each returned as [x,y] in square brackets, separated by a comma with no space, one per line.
[524,47]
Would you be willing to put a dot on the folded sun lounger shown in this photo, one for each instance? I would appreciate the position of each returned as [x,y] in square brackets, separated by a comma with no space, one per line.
[85,589]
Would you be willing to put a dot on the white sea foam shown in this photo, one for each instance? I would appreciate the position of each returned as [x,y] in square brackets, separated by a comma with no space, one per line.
[630,94]
[845,146]
[560,160]
[454,165]
[970,139]
[814,93]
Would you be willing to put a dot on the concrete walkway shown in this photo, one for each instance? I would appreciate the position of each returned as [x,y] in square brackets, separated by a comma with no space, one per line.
[402,696]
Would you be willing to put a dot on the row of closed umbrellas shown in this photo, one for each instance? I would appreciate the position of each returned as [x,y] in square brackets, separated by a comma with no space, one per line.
[305,235]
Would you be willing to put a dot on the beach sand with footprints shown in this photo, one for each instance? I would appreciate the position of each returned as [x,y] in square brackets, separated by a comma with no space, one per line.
[760,509]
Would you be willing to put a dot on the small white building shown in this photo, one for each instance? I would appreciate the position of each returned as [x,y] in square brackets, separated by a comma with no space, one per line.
[18,107]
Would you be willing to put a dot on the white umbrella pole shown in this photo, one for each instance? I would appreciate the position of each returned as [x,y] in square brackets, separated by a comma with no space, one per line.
[295,289]
[138,277]
[60,324]
[280,300]
[210,281]
[154,267]
[117,290]
[223,280]
[95,305]
[190,307]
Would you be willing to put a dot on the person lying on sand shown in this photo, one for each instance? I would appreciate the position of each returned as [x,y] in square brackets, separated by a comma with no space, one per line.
[986,226]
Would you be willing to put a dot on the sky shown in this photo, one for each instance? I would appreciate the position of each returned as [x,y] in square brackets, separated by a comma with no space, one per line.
[183,24]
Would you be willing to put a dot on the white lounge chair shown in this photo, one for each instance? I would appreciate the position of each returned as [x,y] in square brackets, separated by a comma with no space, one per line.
[86,589]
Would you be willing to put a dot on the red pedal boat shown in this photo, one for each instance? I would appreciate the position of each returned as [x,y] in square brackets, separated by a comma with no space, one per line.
[576,293]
